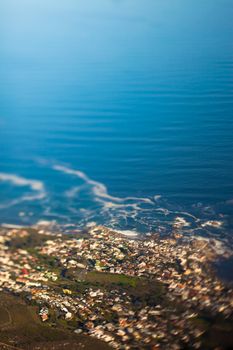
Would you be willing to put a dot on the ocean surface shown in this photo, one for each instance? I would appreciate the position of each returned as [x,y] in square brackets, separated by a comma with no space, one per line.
[117,113]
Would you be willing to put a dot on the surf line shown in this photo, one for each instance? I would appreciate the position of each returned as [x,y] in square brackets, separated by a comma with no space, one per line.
[36,186]
[99,189]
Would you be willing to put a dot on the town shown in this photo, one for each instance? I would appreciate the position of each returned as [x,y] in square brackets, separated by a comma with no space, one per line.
[129,292]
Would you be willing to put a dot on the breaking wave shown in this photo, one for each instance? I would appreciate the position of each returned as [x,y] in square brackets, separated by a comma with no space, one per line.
[36,188]
[98,188]
[79,201]
[35,185]
[130,214]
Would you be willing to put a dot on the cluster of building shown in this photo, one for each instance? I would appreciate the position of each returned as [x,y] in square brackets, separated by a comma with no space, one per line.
[121,314]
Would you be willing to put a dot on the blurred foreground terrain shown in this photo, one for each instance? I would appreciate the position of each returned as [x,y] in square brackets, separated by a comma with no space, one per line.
[100,289]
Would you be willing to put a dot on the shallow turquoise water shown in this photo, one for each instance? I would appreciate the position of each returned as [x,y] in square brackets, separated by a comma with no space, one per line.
[137,95]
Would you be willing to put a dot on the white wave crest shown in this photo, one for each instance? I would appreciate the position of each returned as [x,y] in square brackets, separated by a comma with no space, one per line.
[36,186]
[98,188]
[128,233]
[16,180]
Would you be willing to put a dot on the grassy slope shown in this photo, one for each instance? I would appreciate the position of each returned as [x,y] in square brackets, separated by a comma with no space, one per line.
[26,331]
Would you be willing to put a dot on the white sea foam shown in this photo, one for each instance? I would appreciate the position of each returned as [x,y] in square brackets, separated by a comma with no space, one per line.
[12,226]
[212,223]
[90,201]
[45,223]
[128,233]
[98,188]
[73,192]
[180,222]
[37,187]
[91,224]
[29,198]
[16,180]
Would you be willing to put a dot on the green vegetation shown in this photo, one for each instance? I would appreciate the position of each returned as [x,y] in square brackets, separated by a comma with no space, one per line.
[109,278]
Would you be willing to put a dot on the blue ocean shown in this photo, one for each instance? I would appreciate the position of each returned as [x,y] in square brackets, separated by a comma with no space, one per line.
[117,113]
